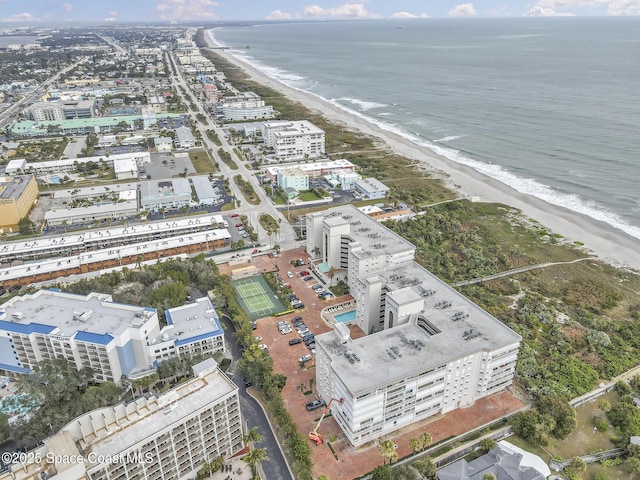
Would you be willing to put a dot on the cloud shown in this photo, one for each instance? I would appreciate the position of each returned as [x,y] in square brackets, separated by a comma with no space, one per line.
[464,10]
[539,11]
[67,7]
[112,16]
[187,9]
[21,17]
[614,7]
[278,15]
[403,15]
[348,10]
[624,7]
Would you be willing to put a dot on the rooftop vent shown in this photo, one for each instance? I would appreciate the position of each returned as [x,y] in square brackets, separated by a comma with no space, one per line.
[469,334]
[427,292]
[459,315]
[351,356]
[394,352]
[443,304]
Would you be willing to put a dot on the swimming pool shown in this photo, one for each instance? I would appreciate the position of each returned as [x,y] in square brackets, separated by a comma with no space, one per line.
[55,180]
[345,316]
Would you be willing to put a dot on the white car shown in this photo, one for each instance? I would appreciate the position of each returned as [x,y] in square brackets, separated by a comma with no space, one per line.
[263,346]
[285,331]
[289,274]
[258,339]
[305,358]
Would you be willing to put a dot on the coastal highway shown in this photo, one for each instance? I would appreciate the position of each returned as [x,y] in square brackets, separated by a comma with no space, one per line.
[287,237]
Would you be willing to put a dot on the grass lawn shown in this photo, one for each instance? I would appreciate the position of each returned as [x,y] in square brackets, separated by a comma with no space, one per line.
[309,196]
[202,162]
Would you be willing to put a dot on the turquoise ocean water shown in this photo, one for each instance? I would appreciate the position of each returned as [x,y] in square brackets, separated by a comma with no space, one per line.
[549,106]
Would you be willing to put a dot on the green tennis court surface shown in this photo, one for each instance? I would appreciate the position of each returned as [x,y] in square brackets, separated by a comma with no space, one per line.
[256,297]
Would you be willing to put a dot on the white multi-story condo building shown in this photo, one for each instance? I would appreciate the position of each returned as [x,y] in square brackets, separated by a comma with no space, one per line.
[432,349]
[294,140]
[61,110]
[112,339]
[245,106]
[166,437]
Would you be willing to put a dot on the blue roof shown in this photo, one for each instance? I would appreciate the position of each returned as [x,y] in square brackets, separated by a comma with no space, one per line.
[186,341]
[99,338]
[13,368]
[26,328]
[167,316]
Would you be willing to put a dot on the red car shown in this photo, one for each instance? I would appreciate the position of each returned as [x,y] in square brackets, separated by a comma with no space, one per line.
[238,224]
[305,272]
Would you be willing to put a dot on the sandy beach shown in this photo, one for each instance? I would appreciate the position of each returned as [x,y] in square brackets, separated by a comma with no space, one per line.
[602,240]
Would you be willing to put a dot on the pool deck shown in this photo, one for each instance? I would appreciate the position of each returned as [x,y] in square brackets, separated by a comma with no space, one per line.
[329,314]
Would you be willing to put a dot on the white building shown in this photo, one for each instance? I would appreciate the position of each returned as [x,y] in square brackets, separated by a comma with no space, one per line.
[370,188]
[125,168]
[312,169]
[165,437]
[17,166]
[344,178]
[432,349]
[70,164]
[171,193]
[184,138]
[245,106]
[163,144]
[114,339]
[93,213]
[61,110]
[294,140]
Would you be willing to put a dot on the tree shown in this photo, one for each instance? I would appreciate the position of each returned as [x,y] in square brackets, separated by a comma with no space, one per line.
[426,468]
[415,444]
[488,476]
[252,436]
[26,226]
[487,444]
[331,273]
[387,449]
[316,251]
[575,469]
[382,472]
[420,443]
[255,457]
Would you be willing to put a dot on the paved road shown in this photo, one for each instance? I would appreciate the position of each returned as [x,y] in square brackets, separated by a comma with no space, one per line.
[275,468]
[287,237]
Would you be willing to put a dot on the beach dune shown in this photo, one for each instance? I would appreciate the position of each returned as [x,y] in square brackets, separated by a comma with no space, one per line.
[601,239]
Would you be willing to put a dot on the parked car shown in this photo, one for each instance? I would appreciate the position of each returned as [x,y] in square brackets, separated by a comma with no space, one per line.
[314,405]
[308,278]
[285,331]
[298,318]
[258,338]
[254,325]
[299,306]
[295,341]
[304,358]
[289,274]
[15,288]
[304,272]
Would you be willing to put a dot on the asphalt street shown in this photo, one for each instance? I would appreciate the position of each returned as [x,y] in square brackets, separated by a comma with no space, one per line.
[275,468]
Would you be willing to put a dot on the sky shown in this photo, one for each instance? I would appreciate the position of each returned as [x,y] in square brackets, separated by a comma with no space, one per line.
[47,11]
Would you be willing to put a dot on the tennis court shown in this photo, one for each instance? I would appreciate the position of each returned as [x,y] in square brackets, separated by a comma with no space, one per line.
[256,297]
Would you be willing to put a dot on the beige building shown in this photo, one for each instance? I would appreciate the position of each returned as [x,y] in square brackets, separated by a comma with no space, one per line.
[168,437]
[18,195]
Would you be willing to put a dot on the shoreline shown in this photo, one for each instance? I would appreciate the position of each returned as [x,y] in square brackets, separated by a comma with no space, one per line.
[598,238]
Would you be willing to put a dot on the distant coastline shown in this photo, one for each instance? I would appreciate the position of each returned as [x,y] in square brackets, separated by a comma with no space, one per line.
[605,241]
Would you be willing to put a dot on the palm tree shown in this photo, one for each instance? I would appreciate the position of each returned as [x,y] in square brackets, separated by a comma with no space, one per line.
[316,251]
[252,436]
[426,440]
[415,444]
[255,457]
[302,387]
[388,451]
[331,273]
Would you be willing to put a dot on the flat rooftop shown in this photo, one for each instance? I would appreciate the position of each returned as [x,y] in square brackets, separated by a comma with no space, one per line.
[11,188]
[171,409]
[64,312]
[401,351]
[191,320]
[374,237]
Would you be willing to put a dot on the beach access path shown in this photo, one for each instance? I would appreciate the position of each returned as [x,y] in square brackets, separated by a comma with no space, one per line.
[606,242]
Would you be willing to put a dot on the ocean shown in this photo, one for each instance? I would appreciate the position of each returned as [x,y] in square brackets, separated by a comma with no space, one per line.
[549,106]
